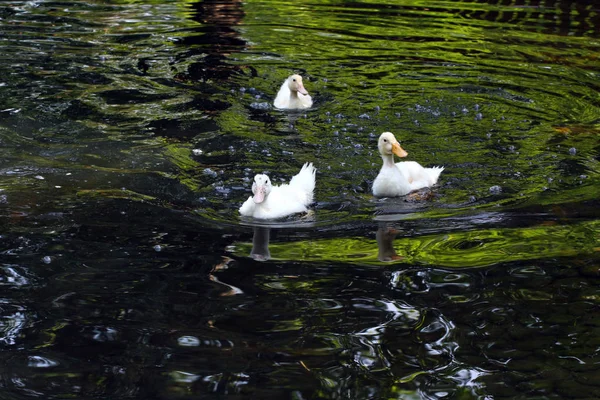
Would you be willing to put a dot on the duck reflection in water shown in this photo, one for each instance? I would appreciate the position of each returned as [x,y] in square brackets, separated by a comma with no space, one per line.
[217,39]
[260,244]
[385,243]
[230,290]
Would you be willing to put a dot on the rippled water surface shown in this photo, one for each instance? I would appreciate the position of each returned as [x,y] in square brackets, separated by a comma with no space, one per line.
[129,135]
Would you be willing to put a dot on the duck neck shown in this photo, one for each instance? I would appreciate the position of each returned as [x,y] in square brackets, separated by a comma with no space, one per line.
[388,160]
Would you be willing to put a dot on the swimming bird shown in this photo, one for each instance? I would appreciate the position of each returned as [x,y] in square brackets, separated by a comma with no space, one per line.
[270,202]
[292,94]
[403,177]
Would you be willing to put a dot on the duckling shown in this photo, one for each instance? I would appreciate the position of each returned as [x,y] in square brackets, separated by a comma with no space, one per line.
[400,178]
[292,94]
[271,202]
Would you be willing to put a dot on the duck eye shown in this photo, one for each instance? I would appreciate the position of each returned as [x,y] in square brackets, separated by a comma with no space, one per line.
[385,140]
[294,79]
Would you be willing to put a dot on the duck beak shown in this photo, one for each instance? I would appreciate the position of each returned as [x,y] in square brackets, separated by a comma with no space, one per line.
[301,89]
[259,196]
[399,151]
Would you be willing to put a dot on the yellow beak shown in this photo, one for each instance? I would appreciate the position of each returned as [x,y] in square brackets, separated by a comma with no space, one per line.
[399,151]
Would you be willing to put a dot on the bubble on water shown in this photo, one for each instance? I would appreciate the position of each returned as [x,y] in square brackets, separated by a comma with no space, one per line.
[398,115]
[550,180]
[242,89]
[476,107]
[572,151]
[188,341]
[225,191]
[496,189]
[157,248]
[364,116]
[472,199]
[39,177]
[377,108]
[583,176]
[339,116]
[465,110]
[478,116]
[47,259]
[511,148]
[209,172]
[260,105]
[197,152]
[336,133]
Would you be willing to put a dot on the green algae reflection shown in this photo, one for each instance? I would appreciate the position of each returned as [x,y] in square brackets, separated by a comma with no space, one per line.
[477,248]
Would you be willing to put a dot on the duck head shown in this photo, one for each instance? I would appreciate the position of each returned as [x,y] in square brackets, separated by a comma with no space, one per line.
[261,187]
[388,145]
[295,84]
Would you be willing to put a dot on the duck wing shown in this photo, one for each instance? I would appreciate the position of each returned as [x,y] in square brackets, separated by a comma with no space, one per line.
[282,100]
[418,176]
[304,183]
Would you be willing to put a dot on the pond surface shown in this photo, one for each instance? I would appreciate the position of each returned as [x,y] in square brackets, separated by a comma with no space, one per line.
[129,136]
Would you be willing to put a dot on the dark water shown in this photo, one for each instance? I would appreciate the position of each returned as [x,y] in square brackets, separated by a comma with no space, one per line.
[130,131]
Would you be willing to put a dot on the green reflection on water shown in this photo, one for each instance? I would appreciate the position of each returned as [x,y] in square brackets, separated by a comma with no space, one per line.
[476,248]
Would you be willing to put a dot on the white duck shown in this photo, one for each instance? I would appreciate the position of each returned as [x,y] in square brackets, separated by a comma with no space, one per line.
[288,97]
[403,177]
[270,202]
